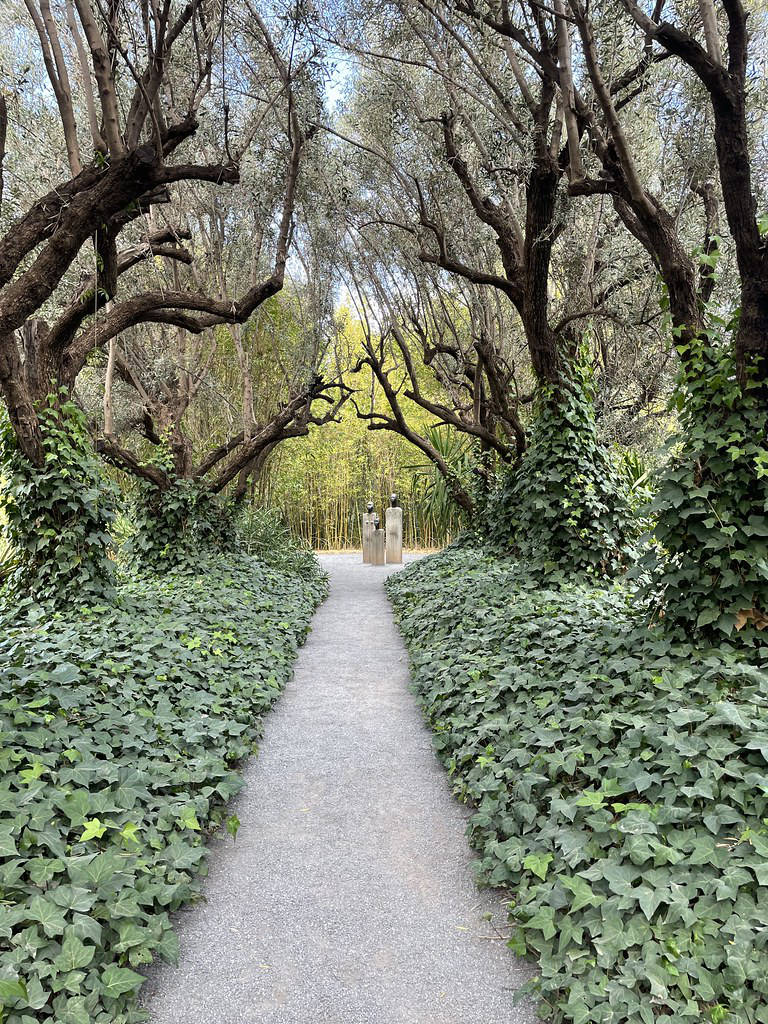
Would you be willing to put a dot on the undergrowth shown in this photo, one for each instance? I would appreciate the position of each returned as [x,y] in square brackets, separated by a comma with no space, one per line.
[264,533]
[619,783]
[121,731]
[172,527]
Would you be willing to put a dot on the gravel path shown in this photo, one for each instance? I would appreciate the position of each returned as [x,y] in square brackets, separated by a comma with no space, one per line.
[348,897]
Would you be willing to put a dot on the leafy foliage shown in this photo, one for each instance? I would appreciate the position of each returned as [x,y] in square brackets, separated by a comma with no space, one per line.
[58,515]
[711,570]
[638,478]
[430,492]
[122,727]
[174,525]
[264,533]
[620,787]
[9,558]
[563,508]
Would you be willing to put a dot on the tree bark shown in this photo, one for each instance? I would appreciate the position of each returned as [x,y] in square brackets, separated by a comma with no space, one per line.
[541,199]
[732,148]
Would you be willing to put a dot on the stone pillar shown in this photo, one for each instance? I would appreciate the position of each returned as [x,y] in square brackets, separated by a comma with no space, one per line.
[378,547]
[367,533]
[394,520]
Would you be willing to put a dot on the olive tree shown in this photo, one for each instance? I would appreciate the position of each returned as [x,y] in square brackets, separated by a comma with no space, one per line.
[148,99]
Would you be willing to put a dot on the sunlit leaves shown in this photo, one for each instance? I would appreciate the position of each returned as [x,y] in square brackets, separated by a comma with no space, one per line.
[93,830]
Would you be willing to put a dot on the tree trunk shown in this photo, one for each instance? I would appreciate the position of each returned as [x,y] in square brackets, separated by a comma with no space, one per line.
[18,402]
[732,148]
[541,193]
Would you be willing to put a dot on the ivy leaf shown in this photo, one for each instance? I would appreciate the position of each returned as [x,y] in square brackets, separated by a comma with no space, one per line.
[649,899]
[116,981]
[85,927]
[11,991]
[7,842]
[188,819]
[609,941]
[74,954]
[130,934]
[43,869]
[47,914]
[543,920]
[590,798]
[75,1011]
[129,832]
[659,980]
[583,896]
[538,863]
[65,673]
[124,906]
[93,830]
[168,947]
[30,775]
[72,897]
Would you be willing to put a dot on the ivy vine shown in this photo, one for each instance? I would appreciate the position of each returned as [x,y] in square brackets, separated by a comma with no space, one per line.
[708,570]
[564,508]
[58,515]
[175,524]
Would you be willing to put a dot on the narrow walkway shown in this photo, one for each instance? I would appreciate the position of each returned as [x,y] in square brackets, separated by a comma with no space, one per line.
[348,896]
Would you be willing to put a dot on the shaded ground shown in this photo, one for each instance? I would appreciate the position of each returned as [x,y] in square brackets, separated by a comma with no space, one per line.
[348,897]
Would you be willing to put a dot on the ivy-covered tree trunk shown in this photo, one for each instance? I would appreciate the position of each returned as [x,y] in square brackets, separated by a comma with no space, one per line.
[562,509]
[59,511]
[178,523]
[709,570]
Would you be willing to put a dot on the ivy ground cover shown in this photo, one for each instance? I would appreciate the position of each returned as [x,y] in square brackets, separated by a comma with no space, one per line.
[619,784]
[121,731]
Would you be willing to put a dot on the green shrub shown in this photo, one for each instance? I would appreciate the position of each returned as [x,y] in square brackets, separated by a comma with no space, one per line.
[619,784]
[173,526]
[431,492]
[122,728]
[9,559]
[638,478]
[264,533]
